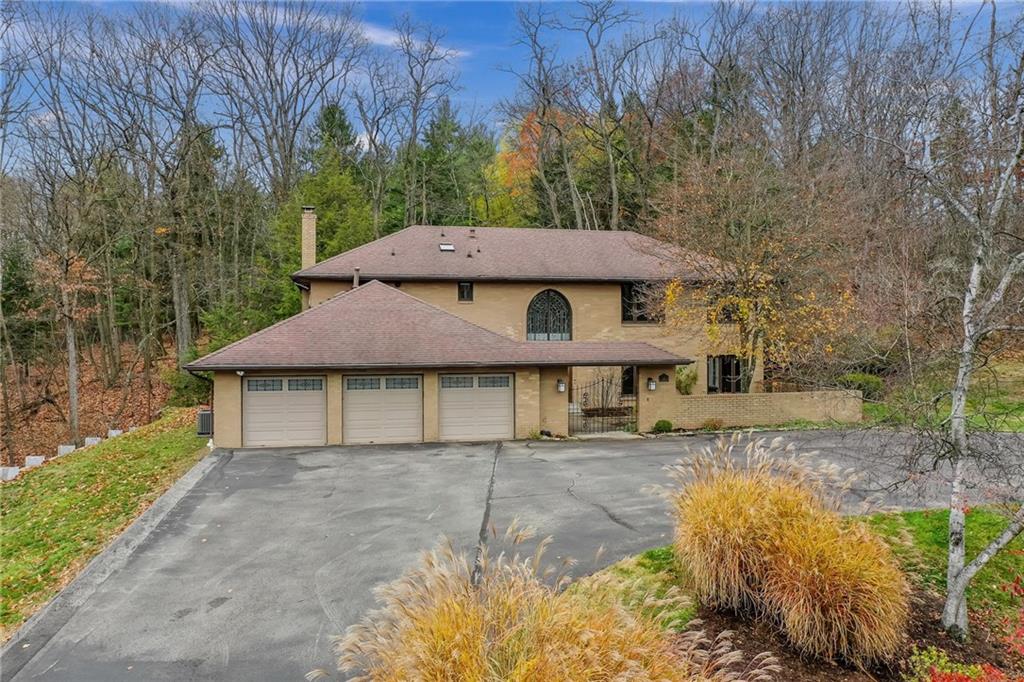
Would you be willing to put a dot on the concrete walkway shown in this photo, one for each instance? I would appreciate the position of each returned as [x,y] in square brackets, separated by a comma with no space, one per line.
[259,558]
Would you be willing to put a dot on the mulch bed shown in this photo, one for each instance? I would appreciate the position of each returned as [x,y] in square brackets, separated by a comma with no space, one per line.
[754,637]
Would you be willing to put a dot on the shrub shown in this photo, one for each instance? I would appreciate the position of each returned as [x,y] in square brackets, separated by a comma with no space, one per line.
[869,385]
[934,665]
[662,426]
[762,536]
[686,379]
[435,623]
[835,589]
[712,424]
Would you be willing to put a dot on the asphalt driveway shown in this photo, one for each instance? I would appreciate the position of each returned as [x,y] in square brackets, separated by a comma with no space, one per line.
[252,566]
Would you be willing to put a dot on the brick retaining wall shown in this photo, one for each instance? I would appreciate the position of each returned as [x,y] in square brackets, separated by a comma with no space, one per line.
[766,409]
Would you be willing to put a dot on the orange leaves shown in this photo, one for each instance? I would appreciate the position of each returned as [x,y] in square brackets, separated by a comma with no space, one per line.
[69,279]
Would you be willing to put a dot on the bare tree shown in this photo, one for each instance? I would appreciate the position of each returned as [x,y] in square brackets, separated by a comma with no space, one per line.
[277,64]
[963,146]
[426,67]
[379,101]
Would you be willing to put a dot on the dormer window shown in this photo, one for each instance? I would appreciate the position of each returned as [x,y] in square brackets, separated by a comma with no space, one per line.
[444,246]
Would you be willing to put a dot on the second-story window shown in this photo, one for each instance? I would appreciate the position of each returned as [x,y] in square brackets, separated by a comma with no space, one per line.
[549,317]
[636,302]
[465,291]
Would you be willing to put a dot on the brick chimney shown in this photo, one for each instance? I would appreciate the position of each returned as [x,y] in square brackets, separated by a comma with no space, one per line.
[308,245]
[308,237]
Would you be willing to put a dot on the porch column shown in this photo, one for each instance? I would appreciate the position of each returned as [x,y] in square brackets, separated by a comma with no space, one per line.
[662,402]
[554,405]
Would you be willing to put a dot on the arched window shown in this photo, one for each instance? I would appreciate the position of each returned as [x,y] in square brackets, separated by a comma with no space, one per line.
[549,317]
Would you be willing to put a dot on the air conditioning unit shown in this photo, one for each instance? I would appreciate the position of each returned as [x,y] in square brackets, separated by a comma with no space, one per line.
[204,422]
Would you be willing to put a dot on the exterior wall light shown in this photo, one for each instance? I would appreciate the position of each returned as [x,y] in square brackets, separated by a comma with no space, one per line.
[560,385]
[651,384]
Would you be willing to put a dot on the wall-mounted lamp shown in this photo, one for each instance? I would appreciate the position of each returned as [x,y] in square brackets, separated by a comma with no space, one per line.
[240,372]
[651,384]
[560,385]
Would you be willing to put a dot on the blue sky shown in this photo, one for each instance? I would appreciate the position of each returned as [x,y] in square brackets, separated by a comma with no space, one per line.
[485,33]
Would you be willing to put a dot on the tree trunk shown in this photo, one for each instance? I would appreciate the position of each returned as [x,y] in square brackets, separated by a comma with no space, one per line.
[954,613]
[182,321]
[72,351]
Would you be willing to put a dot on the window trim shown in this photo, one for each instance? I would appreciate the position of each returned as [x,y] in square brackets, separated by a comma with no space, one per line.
[458,292]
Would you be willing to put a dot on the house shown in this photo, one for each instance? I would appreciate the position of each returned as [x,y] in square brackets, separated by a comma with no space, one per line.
[461,333]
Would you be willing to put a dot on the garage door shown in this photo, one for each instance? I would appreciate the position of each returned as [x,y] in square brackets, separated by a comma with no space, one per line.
[281,411]
[382,409]
[476,407]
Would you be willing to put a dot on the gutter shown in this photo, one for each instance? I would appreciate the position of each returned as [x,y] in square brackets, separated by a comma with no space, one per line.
[448,365]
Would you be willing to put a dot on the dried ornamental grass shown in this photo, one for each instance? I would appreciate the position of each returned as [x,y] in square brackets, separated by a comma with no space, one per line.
[516,624]
[726,507]
[836,591]
[760,533]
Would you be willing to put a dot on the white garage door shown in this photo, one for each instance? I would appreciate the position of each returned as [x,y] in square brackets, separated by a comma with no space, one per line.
[476,407]
[382,409]
[281,411]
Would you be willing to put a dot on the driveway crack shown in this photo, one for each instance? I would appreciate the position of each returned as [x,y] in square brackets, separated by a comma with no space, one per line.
[612,516]
[478,563]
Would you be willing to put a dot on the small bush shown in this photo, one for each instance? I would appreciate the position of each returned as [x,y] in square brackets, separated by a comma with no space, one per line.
[762,536]
[662,426]
[712,424]
[924,664]
[436,624]
[869,385]
[686,379]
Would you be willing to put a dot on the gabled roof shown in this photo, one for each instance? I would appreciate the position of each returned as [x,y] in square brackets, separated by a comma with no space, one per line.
[378,326]
[513,253]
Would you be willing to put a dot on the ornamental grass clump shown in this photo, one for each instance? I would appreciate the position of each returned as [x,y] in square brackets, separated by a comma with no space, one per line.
[758,532]
[516,623]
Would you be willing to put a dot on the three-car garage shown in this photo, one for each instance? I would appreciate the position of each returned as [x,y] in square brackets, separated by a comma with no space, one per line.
[290,410]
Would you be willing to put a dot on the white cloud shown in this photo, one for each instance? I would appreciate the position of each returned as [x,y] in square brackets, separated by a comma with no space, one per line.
[386,37]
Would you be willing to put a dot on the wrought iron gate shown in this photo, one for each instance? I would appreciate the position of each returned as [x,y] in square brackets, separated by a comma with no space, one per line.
[600,406]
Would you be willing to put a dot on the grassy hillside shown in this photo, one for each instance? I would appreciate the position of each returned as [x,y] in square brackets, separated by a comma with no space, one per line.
[56,518]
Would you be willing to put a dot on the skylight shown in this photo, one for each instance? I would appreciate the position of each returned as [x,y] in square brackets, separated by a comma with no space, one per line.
[447,247]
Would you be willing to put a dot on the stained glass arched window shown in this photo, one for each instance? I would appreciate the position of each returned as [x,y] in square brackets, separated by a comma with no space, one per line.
[549,317]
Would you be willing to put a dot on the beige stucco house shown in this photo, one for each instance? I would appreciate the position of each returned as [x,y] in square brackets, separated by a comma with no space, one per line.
[460,333]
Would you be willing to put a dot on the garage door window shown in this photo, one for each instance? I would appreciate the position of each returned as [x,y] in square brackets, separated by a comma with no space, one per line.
[305,384]
[456,382]
[401,382]
[363,384]
[493,382]
[264,385]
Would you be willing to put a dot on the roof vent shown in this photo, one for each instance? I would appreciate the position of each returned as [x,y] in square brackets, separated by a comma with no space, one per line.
[472,233]
[445,246]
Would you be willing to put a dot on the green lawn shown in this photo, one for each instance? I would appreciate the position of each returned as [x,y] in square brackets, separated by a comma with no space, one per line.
[54,519]
[995,401]
[918,540]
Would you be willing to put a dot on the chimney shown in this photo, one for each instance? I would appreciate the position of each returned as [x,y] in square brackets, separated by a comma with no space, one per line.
[308,237]
[472,233]
[355,278]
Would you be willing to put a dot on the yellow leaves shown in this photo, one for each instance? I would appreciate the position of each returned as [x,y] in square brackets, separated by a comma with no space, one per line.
[160,231]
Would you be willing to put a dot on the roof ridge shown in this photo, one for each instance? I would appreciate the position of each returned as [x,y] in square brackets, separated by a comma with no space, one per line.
[260,332]
[349,252]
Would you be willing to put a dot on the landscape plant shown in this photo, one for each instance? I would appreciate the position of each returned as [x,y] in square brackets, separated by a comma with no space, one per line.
[759,533]
[512,621]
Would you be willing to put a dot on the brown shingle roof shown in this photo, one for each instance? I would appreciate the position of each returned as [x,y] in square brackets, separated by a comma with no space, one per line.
[378,326]
[512,253]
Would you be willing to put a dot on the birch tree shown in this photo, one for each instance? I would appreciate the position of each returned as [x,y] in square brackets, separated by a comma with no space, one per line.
[964,147]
